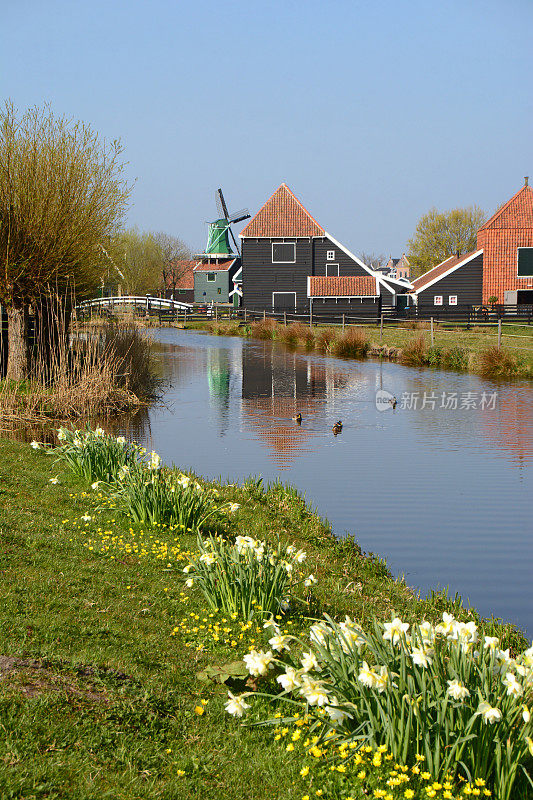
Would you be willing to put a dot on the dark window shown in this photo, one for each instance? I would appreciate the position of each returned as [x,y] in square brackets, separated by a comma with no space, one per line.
[525,262]
[211,276]
[283,252]
[182,291]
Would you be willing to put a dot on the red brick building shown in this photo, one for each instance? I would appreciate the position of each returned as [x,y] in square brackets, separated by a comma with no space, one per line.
[507,243]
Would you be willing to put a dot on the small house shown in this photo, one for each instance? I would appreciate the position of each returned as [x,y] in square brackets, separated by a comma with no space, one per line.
[291,263]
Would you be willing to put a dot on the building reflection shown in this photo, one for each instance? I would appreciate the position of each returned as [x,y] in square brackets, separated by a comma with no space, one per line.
[277,384]
[510,425]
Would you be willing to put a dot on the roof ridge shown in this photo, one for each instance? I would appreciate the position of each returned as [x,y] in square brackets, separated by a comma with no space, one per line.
[504,207]
[278,206]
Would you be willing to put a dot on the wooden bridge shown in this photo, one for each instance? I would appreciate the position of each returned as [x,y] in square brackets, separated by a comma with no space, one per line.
[147,304]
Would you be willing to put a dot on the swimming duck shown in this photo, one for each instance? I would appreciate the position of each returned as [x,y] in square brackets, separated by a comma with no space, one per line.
[298,419]
[337,428]
[393,402]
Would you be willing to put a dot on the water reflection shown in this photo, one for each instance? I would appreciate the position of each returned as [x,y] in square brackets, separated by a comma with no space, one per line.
[442,494]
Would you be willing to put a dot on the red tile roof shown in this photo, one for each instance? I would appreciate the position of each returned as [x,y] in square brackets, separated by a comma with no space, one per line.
[214,266]
[439,270]
[282,215]
[349,286]
[516,213]
[183,272]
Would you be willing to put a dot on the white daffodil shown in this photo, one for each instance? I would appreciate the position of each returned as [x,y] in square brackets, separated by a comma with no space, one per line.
[290,679]
[421,657]
[490,642]
[512,685]
[290,550]
[335,713]
[489,713]
[188,568]
[54,480]
[300,556]
[382,679]
[314,692]
[258,662]
[236,706]
[445,628]
[96,484]
[395,630]
[208,558]
[310,580]
[457,690]
[529,741]
[309,662]
[99,432]
[233,507]
[121,440]
[189,583]
[61,434]
[367,676]
[279,643]
[86,518]
[427,632]
[526,716]
[35,445]
[155,461]
[319,633]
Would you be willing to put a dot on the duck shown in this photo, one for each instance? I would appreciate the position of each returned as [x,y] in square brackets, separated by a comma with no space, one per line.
[393,402]
[298,418]
[337,428]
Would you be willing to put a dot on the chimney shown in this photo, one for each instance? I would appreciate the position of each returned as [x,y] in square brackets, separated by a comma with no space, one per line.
[526,180]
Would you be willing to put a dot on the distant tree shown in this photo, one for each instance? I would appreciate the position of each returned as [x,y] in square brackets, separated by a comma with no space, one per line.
[173,253]
[373,260]
[138,261]
[441,234]
[62,197]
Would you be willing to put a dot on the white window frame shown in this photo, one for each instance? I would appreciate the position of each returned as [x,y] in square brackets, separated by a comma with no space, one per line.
[437,300]
[522,277]
[284,262]
[332,274]
[452,300]
[274,293]
[330,255]
[213,279]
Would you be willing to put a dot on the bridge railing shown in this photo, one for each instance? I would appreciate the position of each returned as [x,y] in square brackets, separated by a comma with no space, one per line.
[149,303]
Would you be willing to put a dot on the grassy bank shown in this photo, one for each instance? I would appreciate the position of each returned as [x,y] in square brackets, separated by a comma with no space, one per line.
[454,347]
[101,645]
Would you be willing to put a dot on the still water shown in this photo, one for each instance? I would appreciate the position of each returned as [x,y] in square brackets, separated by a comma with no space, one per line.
[441,486]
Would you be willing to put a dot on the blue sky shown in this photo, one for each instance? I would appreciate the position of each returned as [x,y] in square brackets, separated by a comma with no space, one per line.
[373,111]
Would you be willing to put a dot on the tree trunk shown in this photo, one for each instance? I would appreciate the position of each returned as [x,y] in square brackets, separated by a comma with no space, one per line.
[18,349]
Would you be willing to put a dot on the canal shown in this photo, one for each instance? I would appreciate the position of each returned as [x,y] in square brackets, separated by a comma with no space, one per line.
[441,486]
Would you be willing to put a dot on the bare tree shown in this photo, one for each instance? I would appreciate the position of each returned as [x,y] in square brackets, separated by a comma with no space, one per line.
[373,260]
[175,255]
[62,196]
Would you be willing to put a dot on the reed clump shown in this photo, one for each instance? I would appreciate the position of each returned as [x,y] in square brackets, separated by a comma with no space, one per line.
[497,362]
[264,329]
[304,335]
[288,335]
[415,352]
[324,338]
[353,343]
[90,372]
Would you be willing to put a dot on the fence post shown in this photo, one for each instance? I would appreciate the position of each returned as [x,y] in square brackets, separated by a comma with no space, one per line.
[245,316]
[432,340]
[264,315]
[310,315]
[285,318]
[216,312]
[499,333]
[381,328]
[343,321]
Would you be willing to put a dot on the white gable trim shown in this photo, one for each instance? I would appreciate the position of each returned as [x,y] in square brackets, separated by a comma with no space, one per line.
[448,271]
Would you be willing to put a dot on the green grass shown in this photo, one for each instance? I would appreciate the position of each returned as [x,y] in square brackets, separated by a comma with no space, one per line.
[98,688]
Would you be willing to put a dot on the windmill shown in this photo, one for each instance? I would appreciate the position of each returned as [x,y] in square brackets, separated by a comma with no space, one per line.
[218,243]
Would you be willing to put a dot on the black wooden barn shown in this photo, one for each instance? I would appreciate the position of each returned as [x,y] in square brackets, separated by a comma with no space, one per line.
[290,263]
